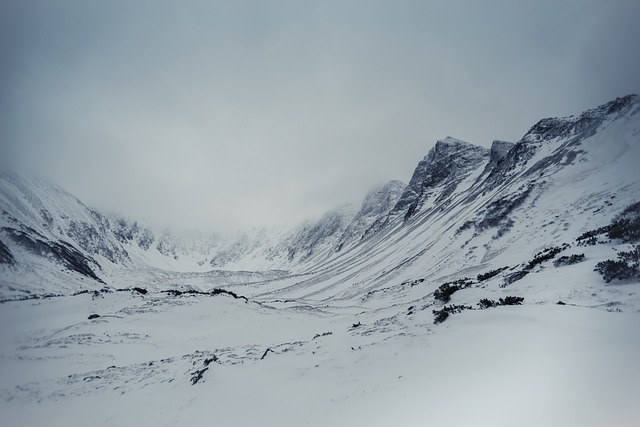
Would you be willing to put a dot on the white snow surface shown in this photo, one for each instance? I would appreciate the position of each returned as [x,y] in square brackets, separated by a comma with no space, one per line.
[531,365]
[347,337]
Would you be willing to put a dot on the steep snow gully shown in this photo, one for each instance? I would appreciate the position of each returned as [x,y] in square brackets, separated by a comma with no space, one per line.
[499,287]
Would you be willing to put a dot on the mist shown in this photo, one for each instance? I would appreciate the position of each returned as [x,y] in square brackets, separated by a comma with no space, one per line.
[226,115]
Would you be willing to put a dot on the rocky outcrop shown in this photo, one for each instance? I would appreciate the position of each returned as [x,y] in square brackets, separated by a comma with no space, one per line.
[439,173]
[47,221]
[6,257]
[376,205]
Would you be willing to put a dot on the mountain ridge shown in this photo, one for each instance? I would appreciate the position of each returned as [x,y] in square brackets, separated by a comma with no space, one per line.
[457,189]
[520,277]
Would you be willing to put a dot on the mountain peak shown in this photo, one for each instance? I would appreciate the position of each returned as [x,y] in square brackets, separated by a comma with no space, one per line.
[617,105]
[450,143]
[585,124]
[375,207]
[500,148]
[448,162]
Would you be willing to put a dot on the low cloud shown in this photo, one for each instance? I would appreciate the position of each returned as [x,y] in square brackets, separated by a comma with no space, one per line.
[217,115]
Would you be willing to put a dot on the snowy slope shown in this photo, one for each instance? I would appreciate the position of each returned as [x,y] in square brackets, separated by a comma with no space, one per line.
[59,245]
[302,248]
[166,360]
[564,177]
[467,298]
[47,232]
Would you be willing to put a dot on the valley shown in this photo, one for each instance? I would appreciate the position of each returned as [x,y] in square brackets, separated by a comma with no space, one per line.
[469,294]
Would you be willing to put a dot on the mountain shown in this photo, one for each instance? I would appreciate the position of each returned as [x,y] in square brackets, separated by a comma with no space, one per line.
[43,227]
[500,287]
[42,224]
[469,209]
[461,197]
[438,175]
[53,243]
[301,248]
[375,206]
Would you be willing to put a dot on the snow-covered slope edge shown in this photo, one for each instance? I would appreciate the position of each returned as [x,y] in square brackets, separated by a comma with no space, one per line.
[51,243]
[480,308]
[564,177]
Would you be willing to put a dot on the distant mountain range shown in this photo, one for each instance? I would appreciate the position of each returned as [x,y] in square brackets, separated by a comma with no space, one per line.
[466,207]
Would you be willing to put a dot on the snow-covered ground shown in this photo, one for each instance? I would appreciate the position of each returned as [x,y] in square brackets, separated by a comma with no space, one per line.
[337,323]
[266,361]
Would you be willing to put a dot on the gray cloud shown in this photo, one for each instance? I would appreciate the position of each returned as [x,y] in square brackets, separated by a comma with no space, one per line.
[228,114]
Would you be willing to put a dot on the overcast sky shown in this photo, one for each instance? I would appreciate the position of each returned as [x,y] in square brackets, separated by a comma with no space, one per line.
[226,114]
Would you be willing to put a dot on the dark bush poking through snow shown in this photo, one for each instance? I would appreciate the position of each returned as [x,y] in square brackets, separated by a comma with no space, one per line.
[568,260]
[214,292]
[627,267]
[625,227]
[510,300]
[589,238]
[489,274]
[218,291]
[545,255]
[443,314]
[487,303]
[444,292]
[322,335]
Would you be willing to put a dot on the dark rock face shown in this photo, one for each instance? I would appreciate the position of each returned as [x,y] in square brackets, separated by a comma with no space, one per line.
[380,201]
[48,221]
[497,213]
[573,129]
[448,162]
[332,224]
[91,238]
[583,126]
[375,207]
[499,150]
[61,252]
[506,165]
[334,231]
[131,232]
[6,257]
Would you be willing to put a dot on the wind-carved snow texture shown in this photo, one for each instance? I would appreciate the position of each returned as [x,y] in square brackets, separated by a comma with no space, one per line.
[468,295]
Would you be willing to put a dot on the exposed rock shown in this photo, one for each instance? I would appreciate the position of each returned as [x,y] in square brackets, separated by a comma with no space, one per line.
[6,257]
[439,173]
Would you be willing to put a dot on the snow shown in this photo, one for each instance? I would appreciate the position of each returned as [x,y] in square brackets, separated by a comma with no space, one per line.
[344,337]
[530,365]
